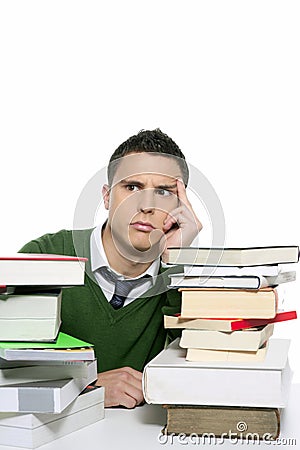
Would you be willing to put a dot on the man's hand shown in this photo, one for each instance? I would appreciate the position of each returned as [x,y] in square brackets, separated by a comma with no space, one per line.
[182,225]
[122,387]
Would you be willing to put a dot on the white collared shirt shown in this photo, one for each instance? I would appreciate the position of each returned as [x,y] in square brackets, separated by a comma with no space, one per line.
[99,259]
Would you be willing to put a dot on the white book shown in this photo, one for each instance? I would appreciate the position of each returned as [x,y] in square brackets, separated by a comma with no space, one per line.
[246,256]
[40,269]
[248,340]
[170,379]
[46,354]
[30,317]
[25,374]
[200,354]
[41,330]
[51,396]
[229,303]
[5,364]
[34,430]
[220,271]
[231,282]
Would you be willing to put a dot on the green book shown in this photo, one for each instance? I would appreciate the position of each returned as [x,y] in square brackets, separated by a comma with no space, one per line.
[64,348]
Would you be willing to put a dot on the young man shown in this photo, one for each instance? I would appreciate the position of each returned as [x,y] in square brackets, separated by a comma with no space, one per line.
[120,309]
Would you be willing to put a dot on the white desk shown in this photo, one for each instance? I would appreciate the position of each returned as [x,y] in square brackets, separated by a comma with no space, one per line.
[140,428]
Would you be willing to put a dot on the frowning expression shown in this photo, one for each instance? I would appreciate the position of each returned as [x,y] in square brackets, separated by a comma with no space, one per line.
[144,191]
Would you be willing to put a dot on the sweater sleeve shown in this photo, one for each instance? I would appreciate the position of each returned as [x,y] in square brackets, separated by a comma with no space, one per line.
[32,247]
[55,243]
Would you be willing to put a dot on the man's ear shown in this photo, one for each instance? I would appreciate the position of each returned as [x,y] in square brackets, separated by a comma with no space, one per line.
[105,195]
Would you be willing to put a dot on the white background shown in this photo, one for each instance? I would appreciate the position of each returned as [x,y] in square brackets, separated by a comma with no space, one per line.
[221,78]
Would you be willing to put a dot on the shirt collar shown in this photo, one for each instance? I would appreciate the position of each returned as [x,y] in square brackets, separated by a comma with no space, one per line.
[99,259]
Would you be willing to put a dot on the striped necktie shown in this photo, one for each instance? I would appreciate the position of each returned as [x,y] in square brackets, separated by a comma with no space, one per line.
[122,287]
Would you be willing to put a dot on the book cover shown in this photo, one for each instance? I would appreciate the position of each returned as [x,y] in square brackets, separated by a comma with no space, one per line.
[30,317]
[51,396]
[223,421]
[64,348]
[228,303]
[25,374]
[170,379]
[41,269]
[231,282]
[34,430]
[222,271]
[207,355]
[251,256]
[248,340]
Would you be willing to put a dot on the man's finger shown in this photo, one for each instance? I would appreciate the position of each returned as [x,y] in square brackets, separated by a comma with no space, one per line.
[169,222]
[128,401]
[181,191]
[127,369]
[135,373]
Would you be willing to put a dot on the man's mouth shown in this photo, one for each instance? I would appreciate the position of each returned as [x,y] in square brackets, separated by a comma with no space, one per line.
[142,226]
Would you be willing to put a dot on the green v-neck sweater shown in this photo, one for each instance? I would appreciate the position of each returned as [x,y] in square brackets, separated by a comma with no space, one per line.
[130,336]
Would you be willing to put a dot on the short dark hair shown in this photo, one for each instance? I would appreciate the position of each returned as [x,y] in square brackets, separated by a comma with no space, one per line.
[153,141]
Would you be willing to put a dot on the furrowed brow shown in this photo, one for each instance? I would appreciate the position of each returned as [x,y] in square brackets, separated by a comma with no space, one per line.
[135,182]
[166,186]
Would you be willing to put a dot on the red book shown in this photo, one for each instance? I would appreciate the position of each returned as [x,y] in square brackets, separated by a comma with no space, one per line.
[40,269]
[250,323]
[233,324]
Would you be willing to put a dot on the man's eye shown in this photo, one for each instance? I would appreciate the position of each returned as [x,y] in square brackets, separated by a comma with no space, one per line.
[131,187]
[163,192]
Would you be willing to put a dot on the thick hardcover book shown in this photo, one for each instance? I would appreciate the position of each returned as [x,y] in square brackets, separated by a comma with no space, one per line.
[51,396]
[248,340]
[30,317]
[41,270]
[26,374]
[225,324]
[34,430]
[230,282]
[64,348]
[226,421]
[251,256]
[228,303]
[170,379]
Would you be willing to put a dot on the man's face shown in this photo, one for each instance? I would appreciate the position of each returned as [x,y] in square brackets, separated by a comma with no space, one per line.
[144,191]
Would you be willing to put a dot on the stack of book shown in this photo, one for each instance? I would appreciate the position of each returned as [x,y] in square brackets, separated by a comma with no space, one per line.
[228,364]
[45,375]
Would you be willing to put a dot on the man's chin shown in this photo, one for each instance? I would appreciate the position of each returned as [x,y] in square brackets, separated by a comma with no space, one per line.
[145,242]
[145,247]
[139,247]
[142,249]
[141,253]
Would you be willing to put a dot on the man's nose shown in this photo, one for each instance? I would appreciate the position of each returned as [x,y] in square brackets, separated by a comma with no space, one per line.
[146,201]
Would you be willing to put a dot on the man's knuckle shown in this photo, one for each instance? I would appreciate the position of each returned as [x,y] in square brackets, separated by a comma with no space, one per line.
[124,376]
[118,386]
[113,392]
